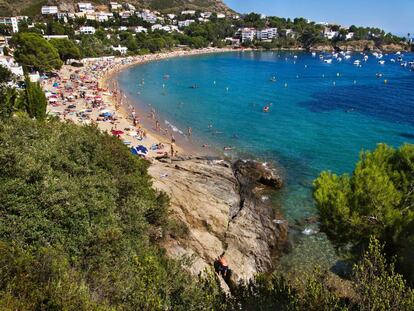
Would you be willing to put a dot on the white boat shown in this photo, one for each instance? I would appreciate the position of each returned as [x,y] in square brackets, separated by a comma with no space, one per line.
[357,62]
[348,57]
[366,57]
[313,54]
[381,62]
[328,61]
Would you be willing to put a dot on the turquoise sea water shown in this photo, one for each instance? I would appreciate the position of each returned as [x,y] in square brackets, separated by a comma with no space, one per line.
[321,115]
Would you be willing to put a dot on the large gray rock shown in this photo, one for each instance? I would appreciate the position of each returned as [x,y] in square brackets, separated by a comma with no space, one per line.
[226,211]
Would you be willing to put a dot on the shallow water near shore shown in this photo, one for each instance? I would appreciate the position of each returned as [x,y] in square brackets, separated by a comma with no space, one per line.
[321,115]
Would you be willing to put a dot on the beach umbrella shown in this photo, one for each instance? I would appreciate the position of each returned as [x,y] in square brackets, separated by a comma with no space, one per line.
[117,132]
[139,150]
[142,149]
[106,115]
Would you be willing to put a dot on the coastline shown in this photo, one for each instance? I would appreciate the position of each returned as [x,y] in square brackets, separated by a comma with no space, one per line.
[184,145]
[80,95]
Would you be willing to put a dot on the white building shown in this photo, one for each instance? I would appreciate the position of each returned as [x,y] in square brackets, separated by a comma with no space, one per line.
[156,27]
[12,22]
[188,12]
[87,30]
[185,23]
[247,34]
[140,29]
[221,15]
[48,37]
[171,16]
[206,14]
[115,6]
[3,43]
[130,7]
[232,41]
[331,34]
[85,7]
[121,49]
[289,33]
[49,10]
[267,34]
[148,16]
[349,36]
[63,16]
[126,14]
[90,16]
[104,16]
[9,63]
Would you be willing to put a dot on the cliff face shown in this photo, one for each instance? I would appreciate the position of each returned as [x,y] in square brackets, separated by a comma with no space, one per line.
[226,210]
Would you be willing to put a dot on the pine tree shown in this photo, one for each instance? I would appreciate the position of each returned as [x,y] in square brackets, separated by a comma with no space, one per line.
[35,100]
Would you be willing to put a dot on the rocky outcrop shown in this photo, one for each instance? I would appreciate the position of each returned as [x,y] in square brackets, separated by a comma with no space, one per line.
[226,210]
[322,48]
[391,48]
[357,45]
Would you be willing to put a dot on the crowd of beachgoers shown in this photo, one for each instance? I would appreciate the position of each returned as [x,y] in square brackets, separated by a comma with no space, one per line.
[90,95]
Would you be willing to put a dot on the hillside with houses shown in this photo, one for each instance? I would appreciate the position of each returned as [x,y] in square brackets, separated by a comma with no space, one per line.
[123,28]
[31,8]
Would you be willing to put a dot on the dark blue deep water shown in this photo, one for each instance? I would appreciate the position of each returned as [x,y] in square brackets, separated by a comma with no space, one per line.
[321,115]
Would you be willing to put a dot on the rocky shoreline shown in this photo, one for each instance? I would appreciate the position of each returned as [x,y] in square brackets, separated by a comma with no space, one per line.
[224,209]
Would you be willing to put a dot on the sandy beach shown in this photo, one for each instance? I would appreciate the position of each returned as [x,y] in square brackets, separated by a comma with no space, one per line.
[90,95]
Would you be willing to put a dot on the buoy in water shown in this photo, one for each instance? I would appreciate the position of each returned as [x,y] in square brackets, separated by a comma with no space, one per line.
[385,81]
[286,85]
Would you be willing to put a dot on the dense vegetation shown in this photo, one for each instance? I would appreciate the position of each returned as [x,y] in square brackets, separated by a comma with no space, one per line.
[78,225]
[35,53]
[376,200]
[31,100]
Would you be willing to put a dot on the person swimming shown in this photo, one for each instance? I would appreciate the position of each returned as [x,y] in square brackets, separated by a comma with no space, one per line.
[266,108]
